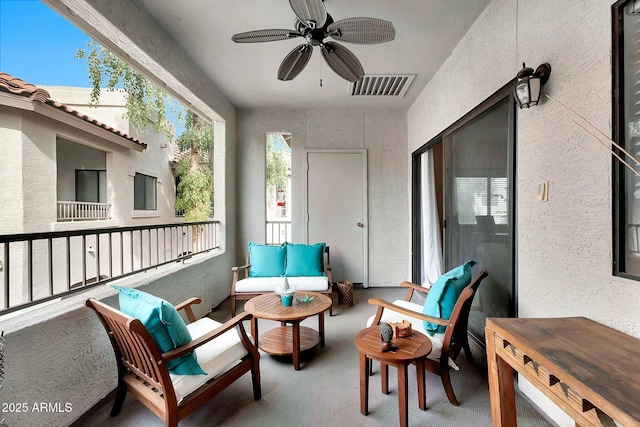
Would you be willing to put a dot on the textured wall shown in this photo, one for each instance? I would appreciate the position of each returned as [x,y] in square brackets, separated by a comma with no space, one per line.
[11,145]
[382,133]
[564,247]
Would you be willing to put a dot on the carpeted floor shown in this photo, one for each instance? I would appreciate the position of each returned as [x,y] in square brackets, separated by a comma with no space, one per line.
[326,389]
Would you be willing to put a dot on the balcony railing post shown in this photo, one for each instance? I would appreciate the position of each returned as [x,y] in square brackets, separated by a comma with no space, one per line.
[7,268]
[30,269]
[50,254]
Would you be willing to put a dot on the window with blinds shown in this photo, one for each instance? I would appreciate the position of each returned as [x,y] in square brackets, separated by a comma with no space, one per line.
[481,196]
[626,106]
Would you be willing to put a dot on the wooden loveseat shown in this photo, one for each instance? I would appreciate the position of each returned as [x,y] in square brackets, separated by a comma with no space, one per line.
[306,268]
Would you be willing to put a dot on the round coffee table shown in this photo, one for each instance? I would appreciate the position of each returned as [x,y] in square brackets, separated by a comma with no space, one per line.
[413,349]
[285,340]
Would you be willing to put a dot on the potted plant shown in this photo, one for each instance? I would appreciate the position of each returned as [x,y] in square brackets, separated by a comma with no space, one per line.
[286,293]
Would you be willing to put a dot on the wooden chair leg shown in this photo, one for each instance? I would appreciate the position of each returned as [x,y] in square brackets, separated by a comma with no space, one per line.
[172,419]
[255,377]
[446,382]
[121,393]
[233,306]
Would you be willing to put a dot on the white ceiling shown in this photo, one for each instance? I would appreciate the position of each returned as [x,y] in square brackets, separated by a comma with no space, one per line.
[426,33]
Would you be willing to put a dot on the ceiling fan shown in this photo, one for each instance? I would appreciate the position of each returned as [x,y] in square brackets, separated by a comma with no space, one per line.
[314,24]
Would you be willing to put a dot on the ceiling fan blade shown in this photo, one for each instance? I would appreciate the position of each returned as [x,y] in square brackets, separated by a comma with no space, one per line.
[265,36]
[294,62]
[342,61]
[362,30]
[312,13]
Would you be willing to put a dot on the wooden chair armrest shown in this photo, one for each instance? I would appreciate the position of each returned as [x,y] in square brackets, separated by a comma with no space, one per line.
[413,287]
[187,348]
[382,304]
[236,275]
[186,306]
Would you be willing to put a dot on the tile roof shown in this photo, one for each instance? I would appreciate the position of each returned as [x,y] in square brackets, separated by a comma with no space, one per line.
[19,87]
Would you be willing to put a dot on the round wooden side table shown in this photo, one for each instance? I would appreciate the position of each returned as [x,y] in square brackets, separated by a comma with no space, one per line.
[413,349]
[285,340]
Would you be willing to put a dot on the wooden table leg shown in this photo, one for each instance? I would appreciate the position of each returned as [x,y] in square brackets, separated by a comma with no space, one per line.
[364,384]
[422,401]
[403,390]
[321,328]
[295,332]
[384,377]
[501,386]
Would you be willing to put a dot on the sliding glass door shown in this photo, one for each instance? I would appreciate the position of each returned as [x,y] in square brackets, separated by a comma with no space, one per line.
[479,207]
[473,166]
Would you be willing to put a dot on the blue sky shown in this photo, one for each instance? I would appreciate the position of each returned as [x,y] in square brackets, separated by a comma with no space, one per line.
[38,46]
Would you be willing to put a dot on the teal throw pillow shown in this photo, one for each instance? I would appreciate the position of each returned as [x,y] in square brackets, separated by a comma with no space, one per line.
[165,325]
[266,260]
[444,294]
[305,260]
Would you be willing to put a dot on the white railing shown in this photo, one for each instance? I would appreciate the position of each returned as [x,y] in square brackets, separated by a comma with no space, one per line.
[83,211]
[278,232]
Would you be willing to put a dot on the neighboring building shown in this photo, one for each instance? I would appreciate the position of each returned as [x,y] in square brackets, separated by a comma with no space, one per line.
[68,166]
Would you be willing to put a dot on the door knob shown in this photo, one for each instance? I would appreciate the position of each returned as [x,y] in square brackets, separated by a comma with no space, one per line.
[360,224]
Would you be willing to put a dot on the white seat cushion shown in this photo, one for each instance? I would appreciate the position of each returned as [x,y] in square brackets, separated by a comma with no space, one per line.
[416,324]
[215,357]
[269,284]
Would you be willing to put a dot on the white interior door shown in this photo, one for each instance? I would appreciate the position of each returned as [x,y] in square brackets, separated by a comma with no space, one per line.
[336,209]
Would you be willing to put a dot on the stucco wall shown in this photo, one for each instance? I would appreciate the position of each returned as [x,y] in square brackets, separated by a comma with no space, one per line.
[11,145]
[564,247]
[381,132]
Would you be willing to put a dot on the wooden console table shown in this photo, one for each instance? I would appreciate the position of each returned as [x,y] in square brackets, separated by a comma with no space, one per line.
[589,370]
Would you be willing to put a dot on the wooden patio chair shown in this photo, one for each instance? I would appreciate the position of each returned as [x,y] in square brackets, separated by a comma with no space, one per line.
[223,351]
[445,346]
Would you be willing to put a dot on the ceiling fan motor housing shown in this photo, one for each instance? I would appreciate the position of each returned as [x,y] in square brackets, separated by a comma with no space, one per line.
[314,36]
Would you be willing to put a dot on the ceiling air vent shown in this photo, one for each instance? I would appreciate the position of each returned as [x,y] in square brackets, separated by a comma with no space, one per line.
[381,85]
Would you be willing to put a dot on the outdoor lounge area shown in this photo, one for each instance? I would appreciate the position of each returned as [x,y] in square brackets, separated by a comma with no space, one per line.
[298,397]
[440,152]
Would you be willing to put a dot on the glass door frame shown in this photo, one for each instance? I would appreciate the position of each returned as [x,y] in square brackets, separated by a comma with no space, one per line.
[505,92]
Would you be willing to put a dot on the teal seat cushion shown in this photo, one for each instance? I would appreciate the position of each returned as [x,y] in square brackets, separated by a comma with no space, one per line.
[444,294]
[165,325]
[266,260]
[305,260]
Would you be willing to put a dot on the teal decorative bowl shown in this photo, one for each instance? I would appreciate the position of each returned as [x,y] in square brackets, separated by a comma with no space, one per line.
[305,298]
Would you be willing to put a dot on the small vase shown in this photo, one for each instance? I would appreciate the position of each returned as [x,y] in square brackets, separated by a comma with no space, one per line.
[287,299]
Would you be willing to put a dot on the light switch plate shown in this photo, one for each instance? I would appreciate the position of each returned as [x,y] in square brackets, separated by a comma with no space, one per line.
[543,191]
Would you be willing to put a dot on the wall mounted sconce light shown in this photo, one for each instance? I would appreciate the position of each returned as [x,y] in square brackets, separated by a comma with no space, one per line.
[529,84]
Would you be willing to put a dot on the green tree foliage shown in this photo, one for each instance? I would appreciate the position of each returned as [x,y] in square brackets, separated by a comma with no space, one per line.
[194,170]
[144,100]
[277,168]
